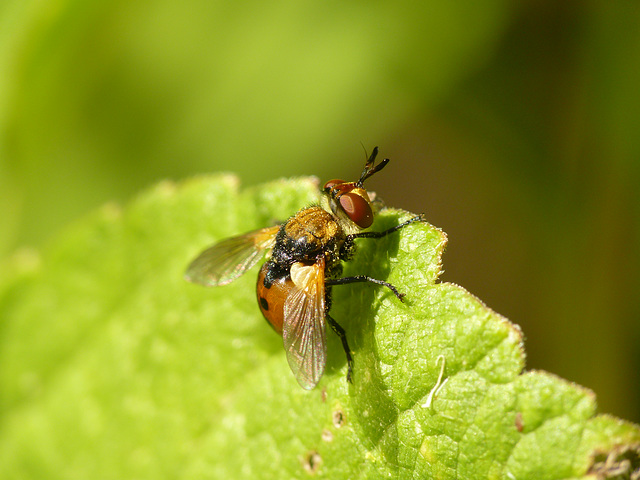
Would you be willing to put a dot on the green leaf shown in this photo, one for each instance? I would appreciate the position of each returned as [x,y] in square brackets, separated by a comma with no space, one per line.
[112,366]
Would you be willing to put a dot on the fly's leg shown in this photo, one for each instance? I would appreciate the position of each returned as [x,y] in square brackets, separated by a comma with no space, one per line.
[348,247]
[417,218]
[348,250]
[364,278]
[339,331]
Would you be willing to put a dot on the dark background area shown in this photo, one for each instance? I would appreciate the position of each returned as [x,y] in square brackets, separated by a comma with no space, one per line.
[513,126]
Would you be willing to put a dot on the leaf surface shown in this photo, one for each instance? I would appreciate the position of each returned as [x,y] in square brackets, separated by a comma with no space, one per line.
[112,366]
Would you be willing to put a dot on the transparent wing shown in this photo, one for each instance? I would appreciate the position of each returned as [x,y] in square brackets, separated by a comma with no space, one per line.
[225,261]
[304,324]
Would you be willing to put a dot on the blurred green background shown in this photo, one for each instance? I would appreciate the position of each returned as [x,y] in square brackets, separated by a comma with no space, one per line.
[513,126]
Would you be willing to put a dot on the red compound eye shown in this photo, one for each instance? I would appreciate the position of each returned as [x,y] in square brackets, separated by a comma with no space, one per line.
[357,209]
[332,183]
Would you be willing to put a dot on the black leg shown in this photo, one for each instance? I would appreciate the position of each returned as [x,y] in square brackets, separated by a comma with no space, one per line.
[364,278]
[345,345]
[417,218]
[339,331]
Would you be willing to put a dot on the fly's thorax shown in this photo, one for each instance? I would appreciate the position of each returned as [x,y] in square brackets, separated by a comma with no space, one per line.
[310,233]
[313,225]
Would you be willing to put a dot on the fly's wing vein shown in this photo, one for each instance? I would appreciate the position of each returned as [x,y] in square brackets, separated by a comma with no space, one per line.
[225,261]
[304,332]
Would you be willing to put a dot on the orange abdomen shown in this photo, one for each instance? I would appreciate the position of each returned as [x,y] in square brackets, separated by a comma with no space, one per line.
[271,300]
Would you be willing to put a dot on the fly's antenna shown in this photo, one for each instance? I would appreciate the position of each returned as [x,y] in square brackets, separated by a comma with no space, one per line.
[364,149]
[369,168]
